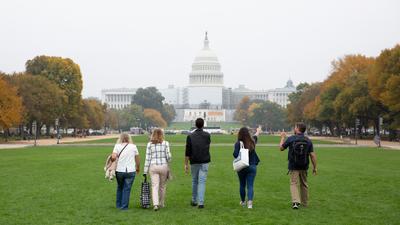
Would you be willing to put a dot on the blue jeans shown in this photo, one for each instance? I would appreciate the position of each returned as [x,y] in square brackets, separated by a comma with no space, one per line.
[247,176]
[199,177]
[124,185]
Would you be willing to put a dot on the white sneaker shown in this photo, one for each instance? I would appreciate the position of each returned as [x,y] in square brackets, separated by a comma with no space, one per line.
[243,204]
[250,204]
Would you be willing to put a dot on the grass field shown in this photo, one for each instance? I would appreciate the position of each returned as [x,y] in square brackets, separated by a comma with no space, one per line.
[65,185]
[218,139]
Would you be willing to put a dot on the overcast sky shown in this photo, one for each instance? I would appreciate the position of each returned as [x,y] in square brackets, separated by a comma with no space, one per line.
[153,43]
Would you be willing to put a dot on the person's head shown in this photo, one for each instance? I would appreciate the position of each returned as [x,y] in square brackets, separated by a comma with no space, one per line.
[199,123]
[124,138]
[245,137]
[157,137]
[300,128]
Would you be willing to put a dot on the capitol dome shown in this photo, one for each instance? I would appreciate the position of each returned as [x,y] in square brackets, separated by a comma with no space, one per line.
[206,70]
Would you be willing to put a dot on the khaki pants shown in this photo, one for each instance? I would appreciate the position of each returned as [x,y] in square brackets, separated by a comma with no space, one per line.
[299,177]
[158,175]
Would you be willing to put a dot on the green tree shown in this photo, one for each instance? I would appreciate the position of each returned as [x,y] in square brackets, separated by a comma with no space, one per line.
[131,116]
[111,118]
[67,75]
[43,100]
[149,98]
[168,113]
[268,114]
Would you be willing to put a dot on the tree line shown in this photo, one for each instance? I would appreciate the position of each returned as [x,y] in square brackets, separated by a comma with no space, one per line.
[50,88]
[360,92]
[269,115]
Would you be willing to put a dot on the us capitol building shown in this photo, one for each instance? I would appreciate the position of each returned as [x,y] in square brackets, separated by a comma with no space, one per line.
[205,96]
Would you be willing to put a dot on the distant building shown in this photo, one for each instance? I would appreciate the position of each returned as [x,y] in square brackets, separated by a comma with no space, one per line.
[118,98]
[205,96]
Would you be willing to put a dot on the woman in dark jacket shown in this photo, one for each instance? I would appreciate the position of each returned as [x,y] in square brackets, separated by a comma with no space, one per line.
[248,174]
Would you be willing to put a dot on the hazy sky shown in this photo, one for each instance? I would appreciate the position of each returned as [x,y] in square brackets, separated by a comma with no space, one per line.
[153,43]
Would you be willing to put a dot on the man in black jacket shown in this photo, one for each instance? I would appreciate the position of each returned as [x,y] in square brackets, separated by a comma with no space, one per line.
[198,153]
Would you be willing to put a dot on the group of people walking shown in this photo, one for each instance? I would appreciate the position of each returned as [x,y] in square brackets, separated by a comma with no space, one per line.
[197,159]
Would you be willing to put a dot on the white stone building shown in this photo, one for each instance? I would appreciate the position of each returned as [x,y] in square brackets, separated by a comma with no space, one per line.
[205,93]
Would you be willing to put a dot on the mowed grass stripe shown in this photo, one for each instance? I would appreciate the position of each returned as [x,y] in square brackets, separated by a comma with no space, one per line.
[179,138]
[53,185]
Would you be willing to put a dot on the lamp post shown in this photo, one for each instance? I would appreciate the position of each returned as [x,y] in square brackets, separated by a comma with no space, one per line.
[34,127]
[357,123]
[58,130]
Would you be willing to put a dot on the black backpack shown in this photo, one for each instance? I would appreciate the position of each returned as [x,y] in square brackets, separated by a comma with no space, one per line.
[299,155]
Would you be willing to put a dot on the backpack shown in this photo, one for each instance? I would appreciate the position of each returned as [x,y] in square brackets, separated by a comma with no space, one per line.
[299,156]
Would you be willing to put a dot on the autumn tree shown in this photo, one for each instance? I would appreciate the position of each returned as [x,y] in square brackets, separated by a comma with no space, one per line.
[67,75]
[43,100]
[384,83]
[302,105]
[94,113]
[10,106]
[242,109]
[328,105]
[111,118]
[151,98]
[154,118]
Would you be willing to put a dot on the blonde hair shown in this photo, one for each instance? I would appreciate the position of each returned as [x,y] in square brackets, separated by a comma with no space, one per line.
[157,137]
[124,138]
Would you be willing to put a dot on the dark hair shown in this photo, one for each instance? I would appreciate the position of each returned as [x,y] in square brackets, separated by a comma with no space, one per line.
[301,126]
[199,123]
[245,137]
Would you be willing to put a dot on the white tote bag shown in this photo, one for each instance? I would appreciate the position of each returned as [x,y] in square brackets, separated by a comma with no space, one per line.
[242,161]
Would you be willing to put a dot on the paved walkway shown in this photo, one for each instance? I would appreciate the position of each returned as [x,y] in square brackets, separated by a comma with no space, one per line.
[53,141]
[363,143]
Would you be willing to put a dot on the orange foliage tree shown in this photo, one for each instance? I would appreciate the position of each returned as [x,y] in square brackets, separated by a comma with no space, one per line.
[10,106]
[154,118]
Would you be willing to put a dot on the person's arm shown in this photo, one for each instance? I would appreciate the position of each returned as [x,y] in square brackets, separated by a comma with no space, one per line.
[147,159]
[168,151]
[137,160]
[113,157]
[114,154]
[236,149]
[188,153]
[258,131]
[282,142]
[313,157]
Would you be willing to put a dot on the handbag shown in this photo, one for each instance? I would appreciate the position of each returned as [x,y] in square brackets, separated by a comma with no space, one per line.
[242,161]
[145,194]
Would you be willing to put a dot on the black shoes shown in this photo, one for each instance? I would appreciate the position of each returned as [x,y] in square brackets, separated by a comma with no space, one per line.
[295,205]
[192,203]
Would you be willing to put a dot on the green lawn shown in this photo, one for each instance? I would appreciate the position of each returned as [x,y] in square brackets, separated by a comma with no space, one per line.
[65,185]
[220,139]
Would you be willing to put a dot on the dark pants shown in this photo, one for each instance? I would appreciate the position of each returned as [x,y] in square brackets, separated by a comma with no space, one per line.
[124,185]
[247,176]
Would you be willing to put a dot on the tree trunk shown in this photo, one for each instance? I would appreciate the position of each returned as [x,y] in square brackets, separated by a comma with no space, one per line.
[392,135]
[47,130]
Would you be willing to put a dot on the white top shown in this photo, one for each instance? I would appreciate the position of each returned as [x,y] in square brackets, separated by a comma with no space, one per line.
[126,161]
[157,154]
